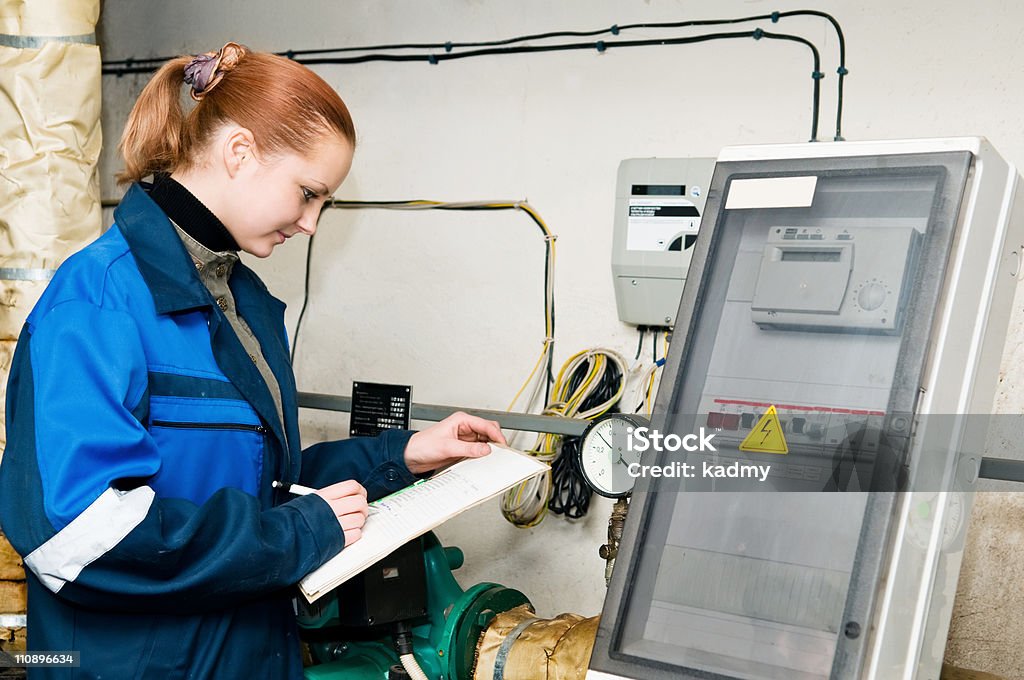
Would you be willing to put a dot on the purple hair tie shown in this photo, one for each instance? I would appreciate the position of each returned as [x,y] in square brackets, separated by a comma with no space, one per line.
[206,70]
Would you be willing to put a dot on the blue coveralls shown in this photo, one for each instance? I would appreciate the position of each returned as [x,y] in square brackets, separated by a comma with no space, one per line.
[136,482]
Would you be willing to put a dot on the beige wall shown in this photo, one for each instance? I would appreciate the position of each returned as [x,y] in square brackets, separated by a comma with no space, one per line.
[452,303]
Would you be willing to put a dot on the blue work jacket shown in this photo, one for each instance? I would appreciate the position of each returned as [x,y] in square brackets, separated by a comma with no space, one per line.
[136,482]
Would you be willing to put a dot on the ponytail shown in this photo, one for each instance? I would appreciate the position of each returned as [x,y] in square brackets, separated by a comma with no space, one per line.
[151,142]
[283,104]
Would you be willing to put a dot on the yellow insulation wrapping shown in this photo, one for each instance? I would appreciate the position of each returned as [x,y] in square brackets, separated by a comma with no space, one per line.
[545,649]
[12,639]
[13,597]
[49,187]
[6,354]
[49,17]
[49,146]
[11,568]
[10,562]
[571,656]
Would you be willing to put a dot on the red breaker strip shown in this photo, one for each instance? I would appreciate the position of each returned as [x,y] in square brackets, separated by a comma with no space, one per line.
[795,407]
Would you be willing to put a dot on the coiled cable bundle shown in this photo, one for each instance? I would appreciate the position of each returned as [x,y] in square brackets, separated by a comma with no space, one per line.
[589,384]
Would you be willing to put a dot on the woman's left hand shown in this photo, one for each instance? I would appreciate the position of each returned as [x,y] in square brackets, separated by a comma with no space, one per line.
[460,435]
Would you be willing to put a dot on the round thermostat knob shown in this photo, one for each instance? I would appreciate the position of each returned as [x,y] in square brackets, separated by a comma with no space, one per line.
[871,297]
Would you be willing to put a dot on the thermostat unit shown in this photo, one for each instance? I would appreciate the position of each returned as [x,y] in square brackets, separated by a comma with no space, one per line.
[658,207]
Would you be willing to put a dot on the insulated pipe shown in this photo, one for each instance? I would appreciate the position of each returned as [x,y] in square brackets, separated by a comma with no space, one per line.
[49,146]
[49,187]
[517,644]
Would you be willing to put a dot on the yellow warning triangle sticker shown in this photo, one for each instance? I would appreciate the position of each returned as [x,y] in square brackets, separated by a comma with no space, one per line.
[766,437]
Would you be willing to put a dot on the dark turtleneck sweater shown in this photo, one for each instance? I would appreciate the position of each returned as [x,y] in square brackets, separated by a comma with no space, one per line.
[189,213]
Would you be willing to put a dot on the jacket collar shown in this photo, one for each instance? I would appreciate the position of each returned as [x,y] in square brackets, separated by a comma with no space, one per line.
[162,259]
[168,271]
[191,215]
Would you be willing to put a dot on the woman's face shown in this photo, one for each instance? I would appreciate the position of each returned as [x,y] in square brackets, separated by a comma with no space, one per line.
[277,197]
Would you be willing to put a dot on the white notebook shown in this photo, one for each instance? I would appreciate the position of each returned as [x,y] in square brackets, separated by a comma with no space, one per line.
[413,511]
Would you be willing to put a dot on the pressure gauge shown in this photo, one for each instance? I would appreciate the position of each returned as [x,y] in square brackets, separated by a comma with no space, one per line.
[605,454]
[922,518]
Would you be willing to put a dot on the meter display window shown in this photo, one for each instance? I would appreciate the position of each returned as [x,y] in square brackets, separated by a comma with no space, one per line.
[821,306]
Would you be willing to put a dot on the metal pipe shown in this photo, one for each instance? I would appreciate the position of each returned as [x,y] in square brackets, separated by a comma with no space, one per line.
[1002,469]
[433,412]
[991,468]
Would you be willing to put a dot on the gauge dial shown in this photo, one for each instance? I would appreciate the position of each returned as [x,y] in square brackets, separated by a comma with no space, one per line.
[605,456]
[922,517]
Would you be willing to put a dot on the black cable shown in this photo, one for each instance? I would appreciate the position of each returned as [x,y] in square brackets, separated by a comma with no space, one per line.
[132,62]
[600,46]
[551,353]
[841,70]
[305,297]
[131,65]
[640,341]
[449,46]
[654,354]
[816,74]
[570,494]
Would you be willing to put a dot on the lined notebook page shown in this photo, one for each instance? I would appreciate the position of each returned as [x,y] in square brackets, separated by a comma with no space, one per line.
[415,510]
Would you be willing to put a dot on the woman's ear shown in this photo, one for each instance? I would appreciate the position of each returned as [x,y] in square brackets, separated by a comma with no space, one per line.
[238,150]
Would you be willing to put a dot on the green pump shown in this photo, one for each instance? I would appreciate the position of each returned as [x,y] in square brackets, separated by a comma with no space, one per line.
[443,639]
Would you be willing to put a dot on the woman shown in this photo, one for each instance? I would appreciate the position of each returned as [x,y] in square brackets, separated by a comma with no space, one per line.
[152,402]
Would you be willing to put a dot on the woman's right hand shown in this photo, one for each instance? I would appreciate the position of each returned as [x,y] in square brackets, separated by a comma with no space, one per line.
[348,501]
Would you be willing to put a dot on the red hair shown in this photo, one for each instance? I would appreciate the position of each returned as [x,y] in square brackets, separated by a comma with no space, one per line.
[284,104]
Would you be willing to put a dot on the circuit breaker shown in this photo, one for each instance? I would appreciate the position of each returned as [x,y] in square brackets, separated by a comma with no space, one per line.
[840,338]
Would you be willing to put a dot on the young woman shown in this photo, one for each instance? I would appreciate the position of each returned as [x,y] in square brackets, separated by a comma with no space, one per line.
[152,402]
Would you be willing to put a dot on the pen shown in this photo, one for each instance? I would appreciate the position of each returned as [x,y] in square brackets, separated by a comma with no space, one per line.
[300,490]
[296,489]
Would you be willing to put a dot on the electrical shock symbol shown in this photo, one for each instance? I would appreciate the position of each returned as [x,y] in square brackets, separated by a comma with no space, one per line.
[766,436]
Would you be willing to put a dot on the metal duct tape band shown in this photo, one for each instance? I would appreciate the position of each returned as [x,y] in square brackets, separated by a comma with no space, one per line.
[506,647]
[22,274]
[519,646]
[35,42]
[13,620]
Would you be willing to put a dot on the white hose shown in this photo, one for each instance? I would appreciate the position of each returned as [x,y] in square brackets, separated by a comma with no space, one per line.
[411,667]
